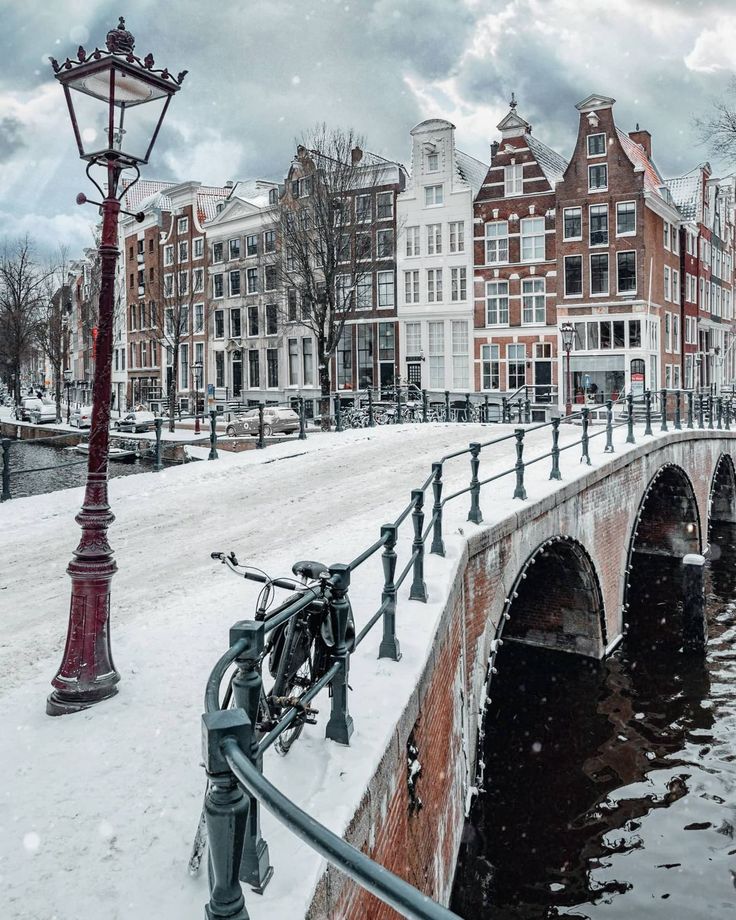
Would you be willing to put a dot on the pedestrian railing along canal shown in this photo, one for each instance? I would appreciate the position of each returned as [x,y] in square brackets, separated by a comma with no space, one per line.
[233,751]
[6,473]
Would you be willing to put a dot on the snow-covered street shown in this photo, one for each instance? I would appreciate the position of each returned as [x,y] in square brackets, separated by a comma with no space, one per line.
[95,800]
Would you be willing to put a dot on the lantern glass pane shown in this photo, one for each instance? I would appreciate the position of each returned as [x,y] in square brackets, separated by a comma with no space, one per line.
[129,88]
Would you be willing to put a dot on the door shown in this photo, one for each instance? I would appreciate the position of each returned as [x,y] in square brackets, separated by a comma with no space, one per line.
[414,373]
[543,372]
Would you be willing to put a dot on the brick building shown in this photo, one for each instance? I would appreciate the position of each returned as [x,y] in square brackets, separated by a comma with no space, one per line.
[515,280]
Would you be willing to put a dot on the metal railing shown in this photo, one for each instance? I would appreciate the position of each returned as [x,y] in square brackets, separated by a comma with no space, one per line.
[236,786]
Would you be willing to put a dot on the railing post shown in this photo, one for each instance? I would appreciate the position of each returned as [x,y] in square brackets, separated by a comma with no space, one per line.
[158,462]
[505,417]
[727,414]
[663,397]
[648,411]
[226,813]
[710,412]
[389,647]
[555,474]
[608,449]
[5,496]
[418,591]
[485,408]
[527,411]
[447,405]
[338,414]
[340,725]
[302,420]
[438,544]
[468,408]
[719,404]
[213,435]
[630,439]
[519,491]
[690,419]
[371,420]
[584,439]
[678,419]
[474,514]
[260,443]
[424,406]
[399,419]
[701,411]
[255,868]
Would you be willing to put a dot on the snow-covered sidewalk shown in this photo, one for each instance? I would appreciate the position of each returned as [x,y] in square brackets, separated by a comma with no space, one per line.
[100,808]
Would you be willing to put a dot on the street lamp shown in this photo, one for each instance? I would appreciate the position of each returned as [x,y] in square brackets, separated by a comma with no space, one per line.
[116,104]
[197,370]
[567,333]
[68,388]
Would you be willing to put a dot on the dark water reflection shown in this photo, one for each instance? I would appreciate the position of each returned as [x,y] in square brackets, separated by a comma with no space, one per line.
[610,787]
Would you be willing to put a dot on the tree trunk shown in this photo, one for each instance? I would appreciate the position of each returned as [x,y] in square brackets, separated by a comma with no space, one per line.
[57,385]
[172,396]
[325,388]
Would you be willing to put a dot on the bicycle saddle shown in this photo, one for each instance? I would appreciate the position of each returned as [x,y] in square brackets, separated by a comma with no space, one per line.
[309,569]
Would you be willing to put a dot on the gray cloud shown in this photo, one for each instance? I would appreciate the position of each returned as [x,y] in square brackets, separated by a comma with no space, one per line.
[11,139]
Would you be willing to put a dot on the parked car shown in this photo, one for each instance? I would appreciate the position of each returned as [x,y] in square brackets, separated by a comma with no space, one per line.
[27,405]
[140,420]
[81,417]
[43,412]
[276,420]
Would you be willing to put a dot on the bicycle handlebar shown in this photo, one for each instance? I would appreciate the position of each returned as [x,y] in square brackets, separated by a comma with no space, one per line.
[252,575]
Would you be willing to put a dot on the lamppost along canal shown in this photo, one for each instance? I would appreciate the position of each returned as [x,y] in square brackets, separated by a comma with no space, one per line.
[116,103]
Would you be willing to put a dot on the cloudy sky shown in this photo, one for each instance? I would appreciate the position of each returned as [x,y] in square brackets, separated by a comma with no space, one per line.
[260,71]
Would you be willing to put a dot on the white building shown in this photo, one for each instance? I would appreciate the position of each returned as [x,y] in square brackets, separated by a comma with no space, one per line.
[435,260]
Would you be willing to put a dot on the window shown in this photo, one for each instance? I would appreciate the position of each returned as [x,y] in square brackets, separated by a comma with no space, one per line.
[251,245]
[666,235]
[251,278]
[385,289]
[293,362]
[272,322]
[344,358]
[364,292]
[457,236]
[292,305]
[343,292]
[271,278]
[667,331]
[676,333]
[667,284]
[459,282]
[676,245]
[198,247]
[513,180]
[497,303]
[308,362]
[434,239]
[365,355]
[217,252]
[235,329]
[234,281]
[384,244]
[413,339]
[168,255]
[305,187]
[218,288]
[184,319]
[183,282]
[532,239]
[269,241]
[254,376]
[433,162]
[533,301]
[436,332]
[433,195]
[434,285]
[184,367]
[626,270]
[573,276]
[634,333]
[252,321]
[516,362]
[599,273]
[385,205]
[460,357]
[412,241]
[625,218]
[198,279]
[234,248]
[170,321]
[491,367]
[596,145]
[675,286]
[497,242]
[272,367]
[411,287]
[219,368]
[572,219]
[199,317]
[598,178]
[598,215]
[363,248]
[363,208]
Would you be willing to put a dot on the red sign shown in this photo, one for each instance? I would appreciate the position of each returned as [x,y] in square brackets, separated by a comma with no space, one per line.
[94,341]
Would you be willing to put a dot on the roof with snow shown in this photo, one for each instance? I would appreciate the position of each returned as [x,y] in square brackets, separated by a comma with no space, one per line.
[470,170]
[552,164]
[151,193]
[653,181]
[687,193]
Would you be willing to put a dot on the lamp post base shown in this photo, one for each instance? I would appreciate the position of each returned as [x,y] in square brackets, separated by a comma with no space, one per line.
[61,704]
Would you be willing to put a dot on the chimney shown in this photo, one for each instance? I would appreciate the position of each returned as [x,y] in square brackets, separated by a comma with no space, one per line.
[356,155]
[494,150]
[229,184]
[644,139]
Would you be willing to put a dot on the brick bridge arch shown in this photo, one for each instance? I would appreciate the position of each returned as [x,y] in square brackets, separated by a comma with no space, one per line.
[722,500]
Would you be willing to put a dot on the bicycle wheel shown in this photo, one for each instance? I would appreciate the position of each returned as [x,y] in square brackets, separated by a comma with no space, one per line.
[294,675]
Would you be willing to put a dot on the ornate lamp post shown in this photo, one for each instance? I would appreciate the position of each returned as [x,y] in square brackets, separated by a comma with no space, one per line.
[116,103]
[67,387]
[197,371]
[567,333]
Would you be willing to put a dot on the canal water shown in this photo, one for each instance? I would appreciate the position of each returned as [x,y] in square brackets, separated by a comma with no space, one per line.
[609,788]
[67,468]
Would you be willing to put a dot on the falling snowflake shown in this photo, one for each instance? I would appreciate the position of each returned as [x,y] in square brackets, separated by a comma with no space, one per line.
[31,841]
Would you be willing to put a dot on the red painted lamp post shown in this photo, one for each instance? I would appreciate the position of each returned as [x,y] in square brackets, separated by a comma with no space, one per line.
[117,103]
[567,333]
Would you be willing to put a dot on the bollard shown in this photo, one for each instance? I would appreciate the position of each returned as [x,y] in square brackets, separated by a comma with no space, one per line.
[710,411]
[158,462]
[255,867]
[447,405]
[555,474]
[338,414]
[260,443]
[226,813]
[648,411]
[527,411]
[663,398]
[424,406]
[399,419]
[468,409]
[608,449]
[585,440]
[505,416]
[690,419]
[519,491]
[213,435]
[719,413]
[438,544]
[371,420]
[474,514]
[340,725]
[389,647]
[694,624]
[302,420]
[5,496]
[418,591]
[701,416]
[678,420]
[630,420]
[727,415]
[485,408]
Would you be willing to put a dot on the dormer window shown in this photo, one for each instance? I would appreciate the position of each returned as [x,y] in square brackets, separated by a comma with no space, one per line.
[273,196]
[433,162]
[596,145]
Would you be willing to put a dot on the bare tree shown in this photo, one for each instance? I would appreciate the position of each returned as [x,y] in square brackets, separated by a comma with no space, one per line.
[328,245]
[718,127]
[23,285]
[53,327]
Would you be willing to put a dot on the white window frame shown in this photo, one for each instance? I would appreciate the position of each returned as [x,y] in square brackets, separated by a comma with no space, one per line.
[624,233]
[496,237]
[413,245]
[526,238]
[598,188]
[587,145]
[564,231]
[434,196]
[513,180]
[498,296]
[530,295]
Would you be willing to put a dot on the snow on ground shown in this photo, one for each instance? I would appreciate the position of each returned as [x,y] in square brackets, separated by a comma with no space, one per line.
[99,808]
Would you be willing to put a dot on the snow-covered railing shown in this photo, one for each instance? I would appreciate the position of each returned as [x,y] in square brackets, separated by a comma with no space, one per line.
[233,751]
